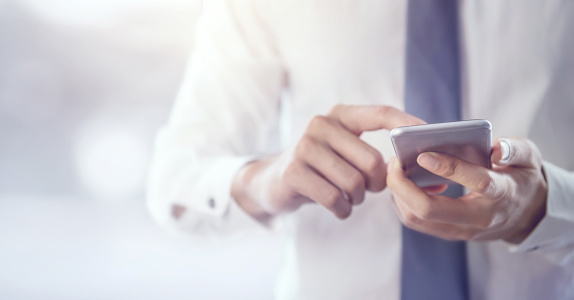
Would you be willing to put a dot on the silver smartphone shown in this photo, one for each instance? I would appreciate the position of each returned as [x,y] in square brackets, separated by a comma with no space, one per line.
[470,140]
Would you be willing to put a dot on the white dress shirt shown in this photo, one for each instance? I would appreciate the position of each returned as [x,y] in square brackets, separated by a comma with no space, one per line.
[263,68]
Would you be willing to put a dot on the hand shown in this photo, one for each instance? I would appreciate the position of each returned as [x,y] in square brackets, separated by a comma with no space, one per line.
[506,202]
[330,165]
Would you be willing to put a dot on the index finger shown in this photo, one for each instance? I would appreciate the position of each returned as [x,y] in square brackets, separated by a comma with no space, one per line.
[359,118]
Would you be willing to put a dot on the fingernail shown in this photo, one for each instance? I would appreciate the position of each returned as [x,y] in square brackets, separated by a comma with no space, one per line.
[390,164]
[498,218]
[505,149]
[428,161]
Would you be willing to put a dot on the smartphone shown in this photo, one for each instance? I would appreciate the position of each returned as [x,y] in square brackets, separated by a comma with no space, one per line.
[470,140]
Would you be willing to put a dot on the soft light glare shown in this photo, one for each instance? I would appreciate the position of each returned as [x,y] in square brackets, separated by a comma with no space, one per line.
[24,83]
[88,11]
[111,160]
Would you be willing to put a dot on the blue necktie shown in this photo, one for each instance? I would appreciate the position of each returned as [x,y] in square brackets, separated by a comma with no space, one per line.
[433,268]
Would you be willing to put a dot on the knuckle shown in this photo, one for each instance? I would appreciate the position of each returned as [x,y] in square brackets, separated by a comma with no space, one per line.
[291,171]
[450,168]
[318,122]
[512,186]
[377,181]
[335,201]
[384,110]
[304,146]
[424,209]
[373,161]
[377,186]
[336,108]
[359,199]
[425,212]
[410,219]
[344,213]
[332,197]
[356,182]
[485,185]
[505,190]
[488,216]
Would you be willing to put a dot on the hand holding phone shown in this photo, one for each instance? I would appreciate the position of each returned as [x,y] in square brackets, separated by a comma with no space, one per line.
[470,140]
[506,199]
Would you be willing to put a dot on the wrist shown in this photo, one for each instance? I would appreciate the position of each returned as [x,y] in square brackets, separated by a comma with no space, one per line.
[535,215]
[243,191]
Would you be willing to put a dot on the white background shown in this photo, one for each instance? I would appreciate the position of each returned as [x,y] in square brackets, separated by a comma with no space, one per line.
[84,86]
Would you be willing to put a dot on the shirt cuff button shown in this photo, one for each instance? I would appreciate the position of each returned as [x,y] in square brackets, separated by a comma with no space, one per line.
[211,203]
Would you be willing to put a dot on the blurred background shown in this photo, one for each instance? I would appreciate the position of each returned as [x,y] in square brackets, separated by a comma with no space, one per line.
[84,87]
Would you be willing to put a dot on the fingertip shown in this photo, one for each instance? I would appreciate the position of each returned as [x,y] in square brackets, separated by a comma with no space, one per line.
[342,208]
[397,167]
[344,214]
[379,185]
[378,182]
[505,149]
[428,160]
[496,152]
[395,174]
[357,200]
[420,122]
[435,190]
[413,121]
[501,151]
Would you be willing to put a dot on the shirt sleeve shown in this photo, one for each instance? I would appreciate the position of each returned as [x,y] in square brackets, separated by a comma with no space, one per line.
[554,235]
[226,114]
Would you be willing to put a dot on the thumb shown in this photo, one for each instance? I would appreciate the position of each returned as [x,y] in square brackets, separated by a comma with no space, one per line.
[515,152]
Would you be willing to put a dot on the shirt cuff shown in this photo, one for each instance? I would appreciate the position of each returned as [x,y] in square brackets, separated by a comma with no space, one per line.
[212,191]
[210,206]
[555,232]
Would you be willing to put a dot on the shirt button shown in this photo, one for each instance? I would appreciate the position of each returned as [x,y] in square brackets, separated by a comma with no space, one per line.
[211,203]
